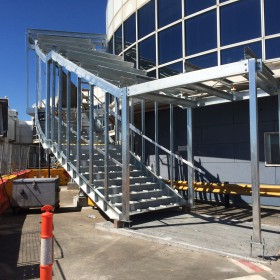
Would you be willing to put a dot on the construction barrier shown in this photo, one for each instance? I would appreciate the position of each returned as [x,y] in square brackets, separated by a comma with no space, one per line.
[46,260]
[226,188]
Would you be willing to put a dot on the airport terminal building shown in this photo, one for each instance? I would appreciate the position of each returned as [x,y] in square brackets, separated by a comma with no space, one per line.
[166,38]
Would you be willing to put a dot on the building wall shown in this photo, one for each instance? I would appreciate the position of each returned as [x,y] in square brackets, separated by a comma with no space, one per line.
[221,141]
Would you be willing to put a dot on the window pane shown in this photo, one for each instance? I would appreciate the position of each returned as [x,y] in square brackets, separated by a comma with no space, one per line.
[110,46]
[272,19]
[147,53]
[118,41]
[272,148]
[171,70]
[240,21]
[129,31]
[169,11]
[146,19]
[237,53]
[205,61]
[272,47]
[170,43]
[130,55]
[201,33]
[193,6]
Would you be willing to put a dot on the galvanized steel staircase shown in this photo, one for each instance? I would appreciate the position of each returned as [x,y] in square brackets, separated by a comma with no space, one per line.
[98,165]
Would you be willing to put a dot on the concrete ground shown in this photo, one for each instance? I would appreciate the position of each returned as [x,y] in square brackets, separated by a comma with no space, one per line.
[146,251]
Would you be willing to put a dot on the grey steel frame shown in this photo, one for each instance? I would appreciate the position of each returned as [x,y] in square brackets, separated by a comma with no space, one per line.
[252,67]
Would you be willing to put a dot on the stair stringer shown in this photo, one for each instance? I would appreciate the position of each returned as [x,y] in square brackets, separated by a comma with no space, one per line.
[110,210]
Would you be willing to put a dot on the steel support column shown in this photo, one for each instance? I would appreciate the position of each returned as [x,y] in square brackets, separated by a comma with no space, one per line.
[125,159]
[156,140]
[254,143]
[59,126]
[79,123]
[190,157]
[143,127]
[37,79]
[47,110]
[68,116]
[278,123]
[40,84]
[53,101]
[132,122]
[106,148]
[171,128]
[117,130]
[91,132]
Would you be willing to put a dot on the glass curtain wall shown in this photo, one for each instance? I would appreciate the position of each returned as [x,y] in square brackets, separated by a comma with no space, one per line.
[161,35]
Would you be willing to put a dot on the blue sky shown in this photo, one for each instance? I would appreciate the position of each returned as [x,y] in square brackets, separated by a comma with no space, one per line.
[16,16]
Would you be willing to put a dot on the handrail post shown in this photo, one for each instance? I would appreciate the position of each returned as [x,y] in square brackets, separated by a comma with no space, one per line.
[68,116]
[53,101]
[47,110]
[156,140]
[106,148]
[79,122]
[171,147]
[143,127]
[91,132]
[125,157]
[59,130]
[190,157]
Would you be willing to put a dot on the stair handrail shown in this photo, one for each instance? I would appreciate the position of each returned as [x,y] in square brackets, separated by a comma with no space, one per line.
[180,158]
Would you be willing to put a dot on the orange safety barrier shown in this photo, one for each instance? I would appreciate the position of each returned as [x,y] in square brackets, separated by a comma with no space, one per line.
[46,261]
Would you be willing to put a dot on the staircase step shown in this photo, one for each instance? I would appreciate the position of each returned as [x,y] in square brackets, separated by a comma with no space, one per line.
[148,204]
[117,189]
[112,175]
[118,181]
[136,196]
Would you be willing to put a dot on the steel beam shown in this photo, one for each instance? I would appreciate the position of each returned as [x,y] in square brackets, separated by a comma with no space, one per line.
[171,129]
[91,132]
[190,157]
[79,123]
[106,148]
[156,140]
[47,109]
[59,126]
[68,116]
[143,127]
[125,159]
[213,73]
[254,143]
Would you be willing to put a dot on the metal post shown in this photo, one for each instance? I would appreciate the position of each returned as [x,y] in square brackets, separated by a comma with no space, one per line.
[68,116]
[143,126]
[106,148]
[59,132]
[91,132]
[47,109]
[40,84]
[117,131]
[37,78]
[171,147]
[254,143]
[156,140]
[132,122]
[278,125]
[125,159]
[27,76]
[53,101]
[79,123]
[190,157]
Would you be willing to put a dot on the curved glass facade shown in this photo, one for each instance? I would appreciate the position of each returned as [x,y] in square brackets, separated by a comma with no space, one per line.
[162,34]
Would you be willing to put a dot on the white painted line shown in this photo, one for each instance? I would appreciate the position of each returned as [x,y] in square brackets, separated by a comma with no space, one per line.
[251,277]
[243,266]
[262,266]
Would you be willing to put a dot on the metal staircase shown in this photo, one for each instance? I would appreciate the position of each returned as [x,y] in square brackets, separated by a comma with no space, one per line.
[84,122]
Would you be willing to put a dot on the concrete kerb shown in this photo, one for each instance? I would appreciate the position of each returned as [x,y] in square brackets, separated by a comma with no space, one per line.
[108,227]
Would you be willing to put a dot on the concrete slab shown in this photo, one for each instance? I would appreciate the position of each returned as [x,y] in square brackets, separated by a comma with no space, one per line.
[83,252]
